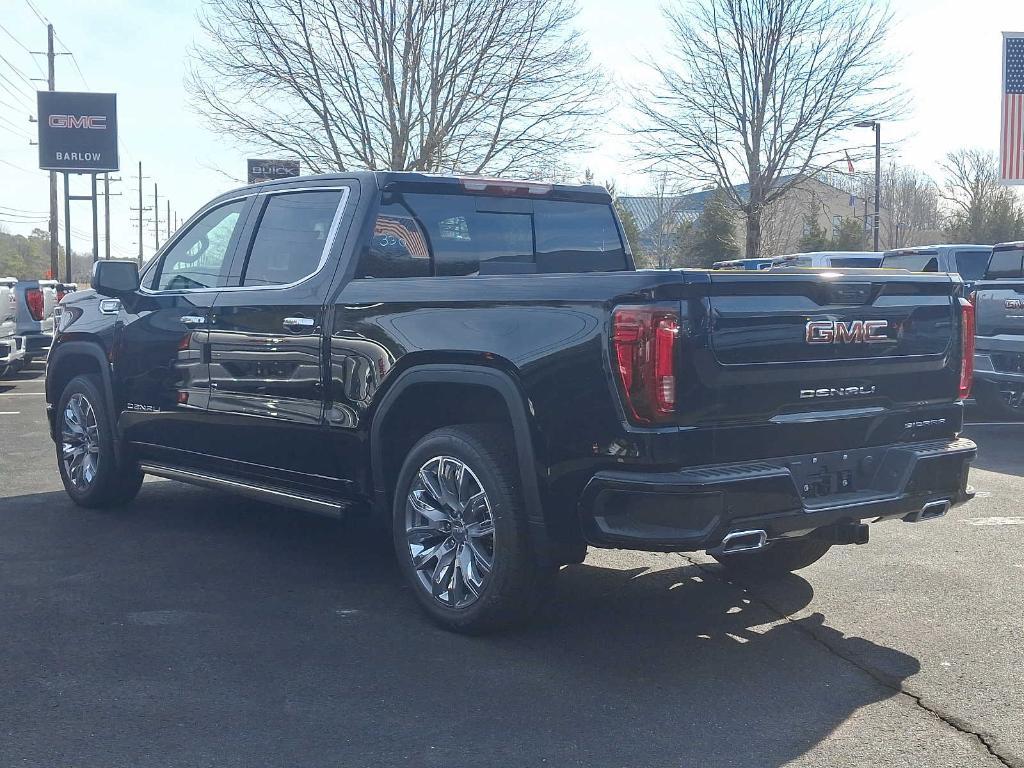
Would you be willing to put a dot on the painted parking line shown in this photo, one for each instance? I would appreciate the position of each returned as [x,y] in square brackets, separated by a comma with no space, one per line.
[22,394]
[10,413]
[995,424]
[995,521]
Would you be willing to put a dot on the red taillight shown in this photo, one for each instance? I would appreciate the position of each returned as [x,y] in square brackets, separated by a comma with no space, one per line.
[966,348]
[644,342]
[34,299]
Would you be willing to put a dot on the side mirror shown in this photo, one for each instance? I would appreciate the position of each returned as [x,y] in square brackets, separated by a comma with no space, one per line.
[115,277]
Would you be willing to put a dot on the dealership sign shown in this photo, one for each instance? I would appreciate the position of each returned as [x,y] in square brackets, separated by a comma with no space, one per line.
[77,131]
[268,170]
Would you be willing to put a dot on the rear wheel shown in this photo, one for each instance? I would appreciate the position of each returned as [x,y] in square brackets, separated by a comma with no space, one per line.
[1000,400]
[777,560]
[461,533]
[86,459]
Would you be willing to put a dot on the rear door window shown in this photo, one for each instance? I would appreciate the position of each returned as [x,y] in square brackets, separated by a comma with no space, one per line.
[1005,264]
[971,264]
[292,237]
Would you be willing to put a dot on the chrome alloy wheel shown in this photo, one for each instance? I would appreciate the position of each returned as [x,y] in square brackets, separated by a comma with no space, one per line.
[80,441]
[450,531]
[1013,397]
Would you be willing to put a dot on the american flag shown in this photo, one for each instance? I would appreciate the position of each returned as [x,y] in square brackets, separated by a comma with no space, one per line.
[1012,144]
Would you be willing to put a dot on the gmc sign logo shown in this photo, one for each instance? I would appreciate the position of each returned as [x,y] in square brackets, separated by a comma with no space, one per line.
[92,122]
[842,332]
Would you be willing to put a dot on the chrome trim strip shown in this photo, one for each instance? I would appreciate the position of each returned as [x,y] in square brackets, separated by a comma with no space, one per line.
[271,495]
[324,256]
[811,416]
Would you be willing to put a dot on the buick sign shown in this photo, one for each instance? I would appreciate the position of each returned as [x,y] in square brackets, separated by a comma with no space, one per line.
[77,131]
[268,170]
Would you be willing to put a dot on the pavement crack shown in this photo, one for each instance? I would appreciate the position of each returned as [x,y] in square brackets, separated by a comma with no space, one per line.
[880,677]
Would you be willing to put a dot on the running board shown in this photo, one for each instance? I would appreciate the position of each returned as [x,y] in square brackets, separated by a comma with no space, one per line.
[291,499]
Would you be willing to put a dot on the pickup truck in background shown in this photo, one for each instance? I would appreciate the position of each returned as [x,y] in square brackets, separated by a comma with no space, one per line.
[968,261]
[998,299]
[12,352]
[36,300]
[478,365]
[815,259]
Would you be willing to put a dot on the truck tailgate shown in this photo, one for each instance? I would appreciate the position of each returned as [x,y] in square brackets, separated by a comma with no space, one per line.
[786,343]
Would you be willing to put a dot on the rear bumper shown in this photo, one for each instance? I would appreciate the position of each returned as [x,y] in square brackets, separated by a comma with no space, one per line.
[37,344]
[999,358]
[695,508]
[12,350]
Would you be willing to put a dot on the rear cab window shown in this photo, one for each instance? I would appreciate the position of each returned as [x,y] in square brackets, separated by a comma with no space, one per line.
[1006,263]
[418,234]
[970,265]
[914,261]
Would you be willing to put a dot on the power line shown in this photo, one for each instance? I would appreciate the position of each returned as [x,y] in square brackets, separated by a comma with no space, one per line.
[15,167]
[20,73]
[35,10]
[24,47]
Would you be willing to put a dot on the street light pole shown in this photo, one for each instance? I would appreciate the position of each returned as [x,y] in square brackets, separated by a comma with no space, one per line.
[877,128]
[878,176]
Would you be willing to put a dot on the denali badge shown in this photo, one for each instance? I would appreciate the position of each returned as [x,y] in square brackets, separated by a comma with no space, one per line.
[840,332]
[1014,303]
[807,394]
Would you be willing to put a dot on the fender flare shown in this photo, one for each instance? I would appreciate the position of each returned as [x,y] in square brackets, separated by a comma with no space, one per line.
[92,349]
[476,375]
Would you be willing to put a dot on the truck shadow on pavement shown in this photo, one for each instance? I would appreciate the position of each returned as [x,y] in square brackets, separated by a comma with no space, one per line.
[195,628]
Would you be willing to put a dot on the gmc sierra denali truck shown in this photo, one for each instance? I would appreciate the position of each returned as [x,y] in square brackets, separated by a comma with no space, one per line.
[12,352]
[479,365]
[999,357]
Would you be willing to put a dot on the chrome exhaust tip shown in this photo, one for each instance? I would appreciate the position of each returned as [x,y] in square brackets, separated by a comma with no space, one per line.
[743,541]
[930,511]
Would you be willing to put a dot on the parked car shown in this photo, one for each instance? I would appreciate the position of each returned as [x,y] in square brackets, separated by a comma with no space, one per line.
[12,352]
[36,300]
[478,365]
[63,289]
[968,261]
[999,358]
[754,264]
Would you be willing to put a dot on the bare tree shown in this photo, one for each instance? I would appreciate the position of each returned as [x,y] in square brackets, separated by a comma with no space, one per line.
[759,92]
[910,200]
[425,85]
[980,209]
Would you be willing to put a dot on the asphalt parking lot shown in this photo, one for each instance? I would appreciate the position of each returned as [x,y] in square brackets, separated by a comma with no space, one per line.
[197,629]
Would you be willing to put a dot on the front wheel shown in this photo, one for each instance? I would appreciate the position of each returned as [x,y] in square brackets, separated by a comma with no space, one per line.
[777,560]
[86,458]
[461,531]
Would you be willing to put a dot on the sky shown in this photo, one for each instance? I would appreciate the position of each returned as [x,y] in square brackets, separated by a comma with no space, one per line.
[950,70]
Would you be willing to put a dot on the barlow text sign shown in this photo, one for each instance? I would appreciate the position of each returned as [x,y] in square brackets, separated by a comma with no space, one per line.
[268,170]
[77,131]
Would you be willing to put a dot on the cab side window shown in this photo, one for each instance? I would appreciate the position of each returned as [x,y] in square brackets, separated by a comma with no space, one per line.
[199,258]
[398,246]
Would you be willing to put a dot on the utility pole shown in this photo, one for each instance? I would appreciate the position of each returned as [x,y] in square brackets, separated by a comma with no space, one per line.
[142,209]
[168,220]
[156,217]
[106,215]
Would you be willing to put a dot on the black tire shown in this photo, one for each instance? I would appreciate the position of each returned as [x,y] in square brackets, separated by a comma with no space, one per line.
[518,579]
[110,483]
[998,401]
[777,560]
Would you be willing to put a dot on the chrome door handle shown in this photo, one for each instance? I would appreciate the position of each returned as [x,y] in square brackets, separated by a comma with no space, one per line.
[298,323]
[191,320]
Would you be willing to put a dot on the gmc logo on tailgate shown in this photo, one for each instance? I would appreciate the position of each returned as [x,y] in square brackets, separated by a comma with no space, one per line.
[842,332]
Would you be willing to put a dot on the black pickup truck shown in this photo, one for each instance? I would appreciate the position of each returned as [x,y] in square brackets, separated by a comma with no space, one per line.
[479,365]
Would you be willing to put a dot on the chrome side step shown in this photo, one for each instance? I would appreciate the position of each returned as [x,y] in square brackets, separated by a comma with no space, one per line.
[291,499]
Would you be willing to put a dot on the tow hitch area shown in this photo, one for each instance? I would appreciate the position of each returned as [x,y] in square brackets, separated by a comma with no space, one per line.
[930,511]
[844,533]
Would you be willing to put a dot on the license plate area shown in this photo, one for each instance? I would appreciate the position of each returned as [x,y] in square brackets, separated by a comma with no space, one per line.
[835,474]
